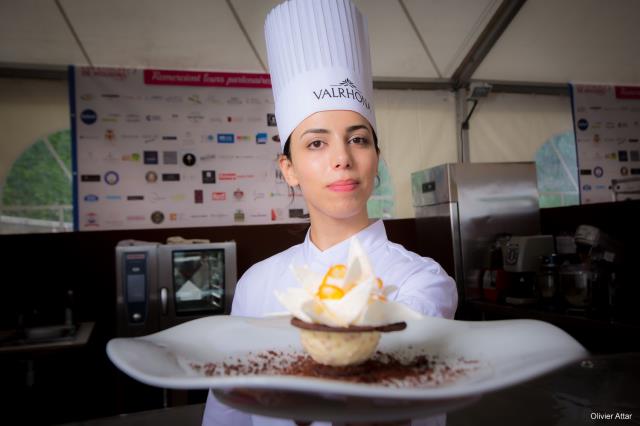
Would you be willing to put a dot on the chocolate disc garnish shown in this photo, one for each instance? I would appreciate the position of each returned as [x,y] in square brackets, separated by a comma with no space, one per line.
[396,326]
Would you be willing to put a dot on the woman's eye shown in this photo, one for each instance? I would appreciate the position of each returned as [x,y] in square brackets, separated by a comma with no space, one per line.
[315,144]
[358,140]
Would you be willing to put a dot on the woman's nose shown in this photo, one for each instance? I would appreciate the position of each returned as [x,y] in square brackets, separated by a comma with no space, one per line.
[341,157]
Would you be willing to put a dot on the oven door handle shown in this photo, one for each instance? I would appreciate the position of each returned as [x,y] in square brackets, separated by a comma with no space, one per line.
[163,300]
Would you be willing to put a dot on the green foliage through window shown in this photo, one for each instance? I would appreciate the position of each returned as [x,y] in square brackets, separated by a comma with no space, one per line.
[36,178]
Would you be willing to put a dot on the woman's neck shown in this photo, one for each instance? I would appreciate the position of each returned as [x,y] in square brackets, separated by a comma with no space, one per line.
[327,231]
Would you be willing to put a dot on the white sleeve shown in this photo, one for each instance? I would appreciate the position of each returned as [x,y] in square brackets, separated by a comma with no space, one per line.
[430,291]
[240,305]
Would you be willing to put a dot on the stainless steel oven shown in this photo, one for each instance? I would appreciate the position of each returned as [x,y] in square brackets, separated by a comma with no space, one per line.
[162,285]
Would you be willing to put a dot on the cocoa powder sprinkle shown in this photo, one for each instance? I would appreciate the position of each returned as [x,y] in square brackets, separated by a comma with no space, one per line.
[419,370]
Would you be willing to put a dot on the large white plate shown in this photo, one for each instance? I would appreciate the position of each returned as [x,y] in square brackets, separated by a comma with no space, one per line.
[509,352]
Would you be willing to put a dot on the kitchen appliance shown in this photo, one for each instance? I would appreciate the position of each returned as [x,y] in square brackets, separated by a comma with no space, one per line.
[462,208]
[162,285]
[522,257]
[588,285]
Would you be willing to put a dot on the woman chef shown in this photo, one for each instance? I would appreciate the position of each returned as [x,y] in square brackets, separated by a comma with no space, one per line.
[320,67]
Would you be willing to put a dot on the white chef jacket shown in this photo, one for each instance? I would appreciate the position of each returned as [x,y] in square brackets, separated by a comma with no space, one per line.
[421,284]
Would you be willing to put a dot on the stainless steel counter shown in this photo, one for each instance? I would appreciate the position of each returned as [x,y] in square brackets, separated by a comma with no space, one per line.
[48,338]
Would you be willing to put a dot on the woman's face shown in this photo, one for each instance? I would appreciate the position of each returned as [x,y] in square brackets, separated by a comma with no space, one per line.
[334,160]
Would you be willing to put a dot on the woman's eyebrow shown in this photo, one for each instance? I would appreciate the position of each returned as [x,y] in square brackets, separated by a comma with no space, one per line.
[356,127]
[314,131]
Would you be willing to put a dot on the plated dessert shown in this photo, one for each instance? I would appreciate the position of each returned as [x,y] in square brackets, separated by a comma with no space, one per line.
[342,313]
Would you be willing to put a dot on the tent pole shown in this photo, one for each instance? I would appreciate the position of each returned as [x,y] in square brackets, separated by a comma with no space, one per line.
[462,133]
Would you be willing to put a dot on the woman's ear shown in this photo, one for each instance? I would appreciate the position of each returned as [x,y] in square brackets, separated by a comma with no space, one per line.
[287,171]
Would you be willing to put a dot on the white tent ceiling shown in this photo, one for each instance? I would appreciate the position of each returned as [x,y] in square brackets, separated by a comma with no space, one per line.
[548,41]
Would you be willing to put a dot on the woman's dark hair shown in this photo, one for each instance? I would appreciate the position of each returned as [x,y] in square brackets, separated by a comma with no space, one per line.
[287,153]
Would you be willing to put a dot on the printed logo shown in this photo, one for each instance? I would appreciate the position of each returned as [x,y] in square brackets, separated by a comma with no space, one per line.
[135,197]
[91,220]
[586,187]
[157,217]
[243,138]
[153,117]
[227,176]
[226,138]
[195,99]
[218,196]
[296,214]
[113,197]
[345,89]
[111,118]
[585,172]
[195,117]
[198,196]
[238,216]
[90,178]
[111,177]
[598,171]
[261,138]
[88,116]
[150,138]
[132,118]
[151,176]
[234,119]
[170,157]
[634,155]
[271,120]
[276,138]
[238,194]
[169,138]
[110,135]
[207,157]
[583,124]
[624,171]
[135,218]
[208,176]
[150,157]
[91,198]
[623,156]
[170,177]
[189,159]
[276,214]
[135,157]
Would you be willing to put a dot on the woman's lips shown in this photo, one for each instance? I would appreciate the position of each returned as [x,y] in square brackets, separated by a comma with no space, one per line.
[343,185]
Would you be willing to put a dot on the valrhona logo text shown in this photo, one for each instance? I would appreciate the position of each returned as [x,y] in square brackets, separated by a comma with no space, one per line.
[345,89]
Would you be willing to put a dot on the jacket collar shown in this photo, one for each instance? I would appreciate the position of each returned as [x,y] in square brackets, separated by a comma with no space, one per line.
[371,238]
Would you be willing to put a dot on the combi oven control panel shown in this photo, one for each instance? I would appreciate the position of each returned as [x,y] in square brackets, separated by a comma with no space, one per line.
[135,281]
[136,272]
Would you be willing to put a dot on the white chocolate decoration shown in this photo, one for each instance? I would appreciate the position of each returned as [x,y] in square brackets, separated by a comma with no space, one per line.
[346,295]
